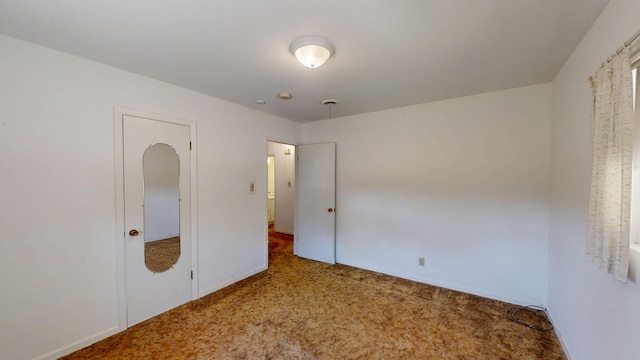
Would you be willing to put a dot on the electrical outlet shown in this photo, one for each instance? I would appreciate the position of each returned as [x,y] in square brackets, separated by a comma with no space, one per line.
[421,261]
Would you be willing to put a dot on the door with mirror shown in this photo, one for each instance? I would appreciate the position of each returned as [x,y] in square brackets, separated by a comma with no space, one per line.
[157,216]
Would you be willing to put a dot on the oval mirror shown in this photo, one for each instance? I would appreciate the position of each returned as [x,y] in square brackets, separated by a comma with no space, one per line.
[161,171]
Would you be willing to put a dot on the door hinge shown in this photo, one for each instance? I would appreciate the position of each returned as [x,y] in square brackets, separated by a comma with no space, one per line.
[191,274]
[190,146]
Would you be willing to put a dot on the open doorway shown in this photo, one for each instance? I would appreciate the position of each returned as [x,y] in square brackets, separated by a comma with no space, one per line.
[280,198]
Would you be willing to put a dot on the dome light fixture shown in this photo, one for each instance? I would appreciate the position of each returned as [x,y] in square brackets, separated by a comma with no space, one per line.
[284,96]
[312,51]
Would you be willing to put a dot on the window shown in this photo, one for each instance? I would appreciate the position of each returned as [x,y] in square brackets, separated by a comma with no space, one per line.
[609,232]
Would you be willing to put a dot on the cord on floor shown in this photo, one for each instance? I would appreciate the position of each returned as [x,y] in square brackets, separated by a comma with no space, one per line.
[536,311]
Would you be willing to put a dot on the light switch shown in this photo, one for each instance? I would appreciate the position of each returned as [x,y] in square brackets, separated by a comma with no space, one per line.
[252,187]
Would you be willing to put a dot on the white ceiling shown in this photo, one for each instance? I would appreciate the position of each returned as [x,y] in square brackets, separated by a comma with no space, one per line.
[388,53]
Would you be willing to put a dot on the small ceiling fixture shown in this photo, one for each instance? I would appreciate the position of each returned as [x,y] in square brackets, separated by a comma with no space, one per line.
[330,102]
[284,96]
[312,51]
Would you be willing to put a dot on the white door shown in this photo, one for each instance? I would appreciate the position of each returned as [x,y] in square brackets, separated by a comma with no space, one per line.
[315,228]
[155,206]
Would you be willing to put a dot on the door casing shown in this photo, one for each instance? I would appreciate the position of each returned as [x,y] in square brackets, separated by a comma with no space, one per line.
[284,141]
[120,237]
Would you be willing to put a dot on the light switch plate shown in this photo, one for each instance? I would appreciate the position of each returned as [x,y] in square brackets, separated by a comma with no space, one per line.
[252,187]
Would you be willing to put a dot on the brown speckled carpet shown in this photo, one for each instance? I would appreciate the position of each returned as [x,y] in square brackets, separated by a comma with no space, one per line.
[160,255]
[301,309]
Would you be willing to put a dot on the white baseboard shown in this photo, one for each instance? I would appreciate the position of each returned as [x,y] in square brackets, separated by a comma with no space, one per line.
[114,330]
[80,344]
[559,335]
[230,282]
[456,287]
[283,231]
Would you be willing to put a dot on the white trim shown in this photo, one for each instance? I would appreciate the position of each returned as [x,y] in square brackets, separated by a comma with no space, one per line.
[265,184]
[559,336]
[464,289]
[118,149]
[280,140]
[118,114]
[232,281]
[56,354]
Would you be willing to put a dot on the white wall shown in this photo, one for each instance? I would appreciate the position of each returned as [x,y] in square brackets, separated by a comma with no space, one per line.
[161,192]
[284,194]
[57,219]
[462,183]
[596,317]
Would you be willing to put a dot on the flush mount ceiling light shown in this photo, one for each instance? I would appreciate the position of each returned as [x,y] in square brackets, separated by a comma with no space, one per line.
[284,96]
[312,51]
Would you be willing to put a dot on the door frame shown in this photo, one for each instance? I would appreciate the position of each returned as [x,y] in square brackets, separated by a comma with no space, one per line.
[265,184]
[120,233]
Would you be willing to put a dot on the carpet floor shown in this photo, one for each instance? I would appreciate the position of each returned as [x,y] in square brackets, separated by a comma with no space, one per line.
[161,255]
[302,309]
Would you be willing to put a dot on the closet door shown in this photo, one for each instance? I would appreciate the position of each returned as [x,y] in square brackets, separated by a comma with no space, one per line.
[157,216]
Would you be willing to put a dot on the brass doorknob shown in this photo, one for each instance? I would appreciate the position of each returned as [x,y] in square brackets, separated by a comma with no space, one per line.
[330,210]
[133,232]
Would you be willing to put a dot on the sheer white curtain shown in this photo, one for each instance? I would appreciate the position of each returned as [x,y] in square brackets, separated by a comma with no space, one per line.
[612,149]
